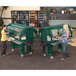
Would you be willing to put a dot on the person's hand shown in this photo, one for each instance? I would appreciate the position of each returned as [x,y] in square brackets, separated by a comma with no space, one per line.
[61,39]
[10,39]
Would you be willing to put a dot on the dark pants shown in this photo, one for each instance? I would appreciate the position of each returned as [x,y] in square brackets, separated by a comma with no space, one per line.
[4,47]
[65,52]
[64,48]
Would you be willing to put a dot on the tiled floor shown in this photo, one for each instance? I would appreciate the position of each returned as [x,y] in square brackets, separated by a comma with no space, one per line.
[37,60]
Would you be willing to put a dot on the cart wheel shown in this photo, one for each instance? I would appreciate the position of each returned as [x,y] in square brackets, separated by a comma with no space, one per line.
[12,49]
[44,54]
[30,53]
[51,57]
[22,55]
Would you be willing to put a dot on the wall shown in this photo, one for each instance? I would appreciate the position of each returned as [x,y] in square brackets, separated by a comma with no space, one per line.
[72,23]
[7,13]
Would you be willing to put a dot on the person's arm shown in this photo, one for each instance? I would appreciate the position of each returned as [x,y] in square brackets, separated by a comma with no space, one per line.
[5,35]
[67,33]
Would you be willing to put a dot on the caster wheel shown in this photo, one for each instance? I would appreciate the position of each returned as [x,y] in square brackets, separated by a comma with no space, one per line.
[30,53]
[51,57]
[12,49]
[44,54]
[22,55]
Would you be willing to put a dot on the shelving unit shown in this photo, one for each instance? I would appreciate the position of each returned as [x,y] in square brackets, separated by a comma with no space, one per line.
[21,17]
[58,15]
[41,18]
[69,17]
[24,17]
[15,15]
[31,18]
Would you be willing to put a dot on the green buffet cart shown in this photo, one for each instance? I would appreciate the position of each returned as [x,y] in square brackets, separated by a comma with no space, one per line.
[48,36]
[21,37]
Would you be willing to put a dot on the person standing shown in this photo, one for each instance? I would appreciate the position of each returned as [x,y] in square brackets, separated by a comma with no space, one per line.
[63,39]
[3,39]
